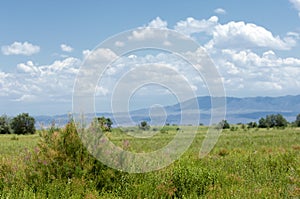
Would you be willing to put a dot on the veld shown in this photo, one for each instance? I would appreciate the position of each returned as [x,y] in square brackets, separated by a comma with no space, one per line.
[245,163]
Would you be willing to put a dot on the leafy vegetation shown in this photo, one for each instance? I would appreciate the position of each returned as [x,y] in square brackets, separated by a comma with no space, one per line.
[21,124]
[224,124]
[297,122]
[271,121]
[245,163]
[4,125]
[144,126]
[104,123]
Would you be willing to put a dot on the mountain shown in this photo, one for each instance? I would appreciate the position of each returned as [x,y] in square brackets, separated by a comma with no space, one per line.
[237,110]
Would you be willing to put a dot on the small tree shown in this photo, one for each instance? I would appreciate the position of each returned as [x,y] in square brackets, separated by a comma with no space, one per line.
[297,122]
[272,121]
[262,123]
[105,123]
[252,125]
[280,121]
[4,125]
[225,124]
[144,125]
[23,124]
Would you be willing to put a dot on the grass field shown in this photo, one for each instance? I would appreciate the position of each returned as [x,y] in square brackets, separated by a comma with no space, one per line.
[245,163]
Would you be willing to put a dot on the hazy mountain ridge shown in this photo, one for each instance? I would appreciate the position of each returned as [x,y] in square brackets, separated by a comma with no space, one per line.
[238,110]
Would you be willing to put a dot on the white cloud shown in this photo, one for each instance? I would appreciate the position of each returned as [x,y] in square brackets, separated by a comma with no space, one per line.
[45,83]
[119,43]
[296,4]
[66,48]
[26,98]
[100,55]
[247,35]
[191,25]
[220,11]
[158,23]
[232,46]
[265,74]
[148,31]
[239,35]
[28,67]
[18,48]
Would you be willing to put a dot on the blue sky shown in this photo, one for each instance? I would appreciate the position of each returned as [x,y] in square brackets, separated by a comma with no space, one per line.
[254,44]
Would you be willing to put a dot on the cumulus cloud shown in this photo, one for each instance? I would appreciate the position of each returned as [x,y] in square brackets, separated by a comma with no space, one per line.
[66,48]
[238,35]
[248,35]
[18,48]
[158,23]
[220,11]
[233,47]
[191,25]
[249,73]
[147,31]
[296,4]
[34,82]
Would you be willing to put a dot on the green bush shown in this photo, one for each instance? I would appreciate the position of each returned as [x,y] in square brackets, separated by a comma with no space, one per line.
[193,181]
[60,155]
[4,125]
[23,124]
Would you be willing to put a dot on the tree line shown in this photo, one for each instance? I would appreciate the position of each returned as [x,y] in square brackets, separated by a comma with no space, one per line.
[25,124]
[21,124]
[270,121]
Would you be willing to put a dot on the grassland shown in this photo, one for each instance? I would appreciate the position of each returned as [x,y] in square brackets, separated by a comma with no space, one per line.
[245,163]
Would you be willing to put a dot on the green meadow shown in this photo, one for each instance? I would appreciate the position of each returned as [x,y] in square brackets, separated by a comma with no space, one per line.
[245,163]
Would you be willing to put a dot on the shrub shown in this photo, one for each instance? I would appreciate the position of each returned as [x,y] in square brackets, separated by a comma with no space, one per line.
[60,155]
[4,125]
[144,126]
[23,124]
[272,121]
[193,181]
[224,124]
[297,122]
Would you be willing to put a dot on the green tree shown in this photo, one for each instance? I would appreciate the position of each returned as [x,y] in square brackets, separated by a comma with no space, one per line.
[280,121]
[262,123]
[273,121]
[144,125]
[297,122]
[252,125]
[105,123]
[4,125]
[23,124]
[225,124]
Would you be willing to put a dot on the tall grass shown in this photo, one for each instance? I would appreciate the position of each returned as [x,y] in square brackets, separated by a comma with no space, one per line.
[245,163]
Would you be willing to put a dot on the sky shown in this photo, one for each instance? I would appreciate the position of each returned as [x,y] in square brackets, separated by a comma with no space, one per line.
[254,46]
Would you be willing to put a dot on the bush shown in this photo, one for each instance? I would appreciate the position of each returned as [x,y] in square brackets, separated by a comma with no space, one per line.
[224,124]
[297,122]
[60,155]
[272,121]
[144,126]
[192,181]
[252,125]
[4,125]
[23,124]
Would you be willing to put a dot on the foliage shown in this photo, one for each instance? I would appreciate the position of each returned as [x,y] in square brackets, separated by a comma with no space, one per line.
[144,126]
[23,124]
[252,125]
[225,124]
[105,123]
[4,125]
[272,121]
[297,122]
[61,156]
[60,167]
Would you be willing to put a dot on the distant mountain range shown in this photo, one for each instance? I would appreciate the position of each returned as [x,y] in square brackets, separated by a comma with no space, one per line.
[238,110]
